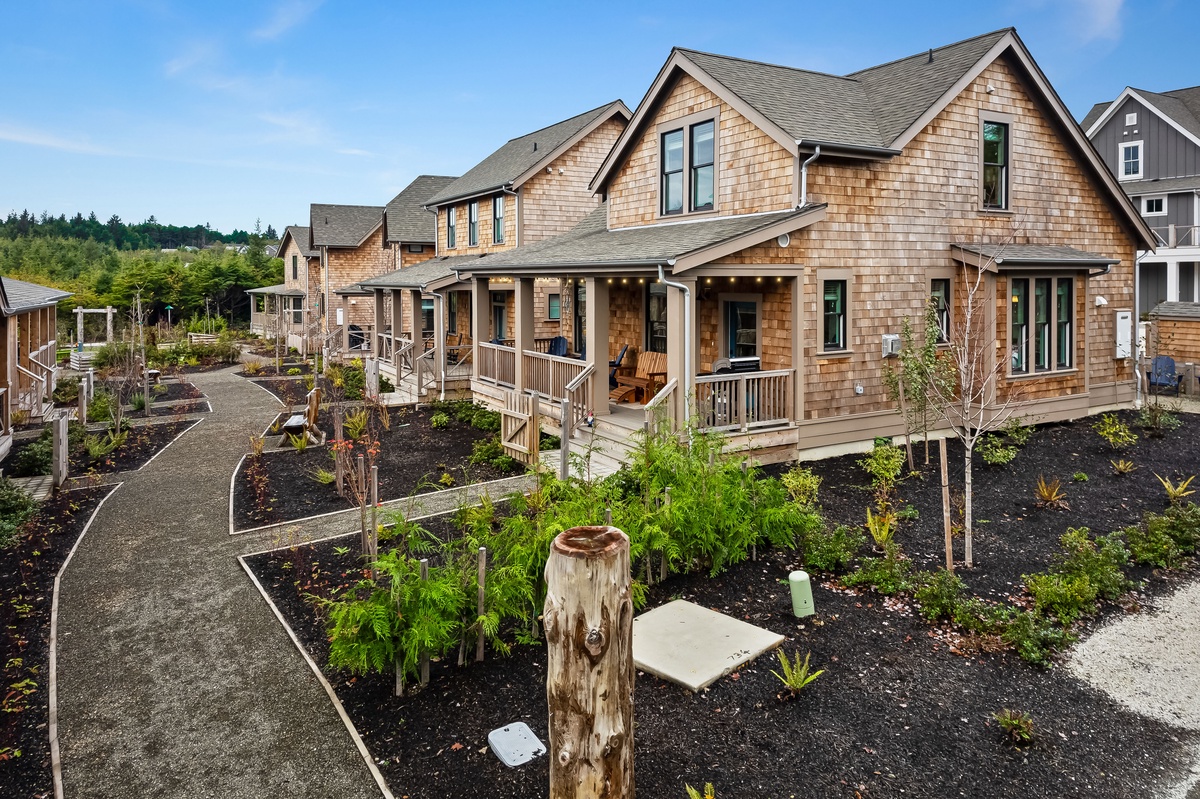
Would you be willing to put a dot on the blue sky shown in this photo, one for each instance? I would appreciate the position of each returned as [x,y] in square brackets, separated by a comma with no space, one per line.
[224,112]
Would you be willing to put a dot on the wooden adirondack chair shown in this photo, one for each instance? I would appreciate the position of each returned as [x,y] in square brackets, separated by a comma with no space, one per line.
[650,373]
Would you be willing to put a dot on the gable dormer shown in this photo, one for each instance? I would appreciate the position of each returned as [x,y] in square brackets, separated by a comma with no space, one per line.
[1148,136]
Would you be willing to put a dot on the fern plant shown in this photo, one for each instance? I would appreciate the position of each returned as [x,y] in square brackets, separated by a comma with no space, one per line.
[1176,491]
[709,791]
[796,675]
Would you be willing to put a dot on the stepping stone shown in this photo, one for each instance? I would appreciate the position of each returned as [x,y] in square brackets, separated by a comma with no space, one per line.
[693,646]
[39,487]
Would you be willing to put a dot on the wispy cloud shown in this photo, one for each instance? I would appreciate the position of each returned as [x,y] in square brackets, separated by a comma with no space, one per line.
[52,141]
[287,15]
[355,151]
[1097,19]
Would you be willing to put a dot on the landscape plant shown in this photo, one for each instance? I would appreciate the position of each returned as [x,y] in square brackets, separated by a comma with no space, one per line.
[1016,724]
[1176,491]
[907,382]
[1115,432]
[16,508]
[796,675]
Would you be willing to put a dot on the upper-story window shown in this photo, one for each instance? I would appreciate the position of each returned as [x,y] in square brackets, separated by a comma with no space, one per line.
[939,292]
[688,165]
[1131,160]
[498,220]
[1131,119]
[451,229]
[295,267]
[473,224]
[1154,206]
[417,248]
[995,164]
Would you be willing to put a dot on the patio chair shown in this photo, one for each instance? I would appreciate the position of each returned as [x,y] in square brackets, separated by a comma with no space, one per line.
[1162,375]
[557,346]
[614,365]
[650,373]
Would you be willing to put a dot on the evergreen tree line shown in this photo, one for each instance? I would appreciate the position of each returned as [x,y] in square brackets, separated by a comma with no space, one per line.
[210,281]
[143,236]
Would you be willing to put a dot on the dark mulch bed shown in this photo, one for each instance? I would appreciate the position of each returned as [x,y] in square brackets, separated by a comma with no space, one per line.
[268,369]
[897,713]
[289,390]
[27,570]
[142,444]
[182,408]
[413,457]
[1012,535]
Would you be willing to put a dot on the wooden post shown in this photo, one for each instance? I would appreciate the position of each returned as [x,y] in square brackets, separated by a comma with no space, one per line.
[59,462]
[608,517]
[339,463]
[374,537]
[479,602]
[361,491]
[564,440]
[662,562]
[423,658]
[946,506]
[589,670]
[83,400]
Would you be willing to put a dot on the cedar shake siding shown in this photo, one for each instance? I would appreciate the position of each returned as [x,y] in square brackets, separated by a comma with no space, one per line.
[554,202]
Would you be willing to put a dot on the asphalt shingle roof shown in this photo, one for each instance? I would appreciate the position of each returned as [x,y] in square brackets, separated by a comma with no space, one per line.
[519,155]
[22,296]
[1136,188]
[280,290]
[421,275]
[1181,105]
[1177,310]
[591,243]
[301,236]
[1035,254]
[343,225]
[407,220]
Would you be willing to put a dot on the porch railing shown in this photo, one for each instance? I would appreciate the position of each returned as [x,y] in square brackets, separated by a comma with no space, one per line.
[498,364]
[31,389]
[661,409]
[578,395]
[744,401]
[5,423]
[425,369]
[403,358]
[539,344]
[1177,235]
[549,375]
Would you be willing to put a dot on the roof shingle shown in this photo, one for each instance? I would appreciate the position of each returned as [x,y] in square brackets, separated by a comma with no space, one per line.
[343,225]
[302,236]
[19,296]
[406,218]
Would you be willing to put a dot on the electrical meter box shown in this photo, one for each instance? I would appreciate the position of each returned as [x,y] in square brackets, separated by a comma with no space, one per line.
[1124,334]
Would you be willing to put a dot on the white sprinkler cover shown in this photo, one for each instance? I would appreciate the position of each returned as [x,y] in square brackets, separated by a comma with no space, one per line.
[515,744]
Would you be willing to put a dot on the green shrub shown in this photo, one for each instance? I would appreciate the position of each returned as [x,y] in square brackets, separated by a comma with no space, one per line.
[439,421]
[831,550]
[1152,546]
[1065,596]
[138,401]
[485,420]
[884,463]
[16,508]
[295,370]
[1080,477]
[100,406]
[1115,432]
[385,385]
[1099,561]
[802,484]
[986,618]
[36,458]
[489,451]
[1017,432]
[1181,523]
[1035,637]
[887,575]
[994,451]
[938,593]
[1158,419]
[354,380]
[549,443]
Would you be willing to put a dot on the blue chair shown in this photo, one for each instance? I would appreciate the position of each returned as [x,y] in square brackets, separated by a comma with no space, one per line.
[614,365]
[1162,375]
[558,346]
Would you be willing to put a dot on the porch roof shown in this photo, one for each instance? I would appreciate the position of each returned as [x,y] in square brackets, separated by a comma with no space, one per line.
[17,296]
[436,273]
[280,290]
[591,245]
[1177,310]
[993,256]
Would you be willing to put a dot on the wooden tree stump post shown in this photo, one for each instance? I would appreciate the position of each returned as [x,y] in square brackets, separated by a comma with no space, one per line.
[589,671]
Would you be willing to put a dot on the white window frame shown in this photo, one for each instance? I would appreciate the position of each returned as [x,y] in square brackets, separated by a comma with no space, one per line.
[848,319]
[1131,119]
[1141,161]
[1146,205]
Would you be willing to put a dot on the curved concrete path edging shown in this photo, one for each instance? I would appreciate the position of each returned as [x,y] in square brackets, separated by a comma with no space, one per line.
[316,670]
[52,726]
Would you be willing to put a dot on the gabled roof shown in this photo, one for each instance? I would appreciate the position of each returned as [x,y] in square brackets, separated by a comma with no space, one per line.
[302,236]
[1180,108]
[518,159]
[343,225]
[18,296]
[872,113]
[679,245]
[1161,185]
[406,219]
[280,290]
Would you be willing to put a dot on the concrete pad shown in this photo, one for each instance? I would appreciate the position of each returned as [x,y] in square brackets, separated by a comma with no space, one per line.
[694,646]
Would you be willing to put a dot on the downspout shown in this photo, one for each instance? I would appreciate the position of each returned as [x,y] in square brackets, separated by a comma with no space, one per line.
[516,214]
[687,328]
[1137,328]
[804,173]
[440,304]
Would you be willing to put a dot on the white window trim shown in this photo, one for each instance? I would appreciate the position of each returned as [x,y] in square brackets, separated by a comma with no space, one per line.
[1121,160]
[1131,119]
[1146,201]
[824,275]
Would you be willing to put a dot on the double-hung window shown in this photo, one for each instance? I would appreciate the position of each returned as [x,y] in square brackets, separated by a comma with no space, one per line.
[473,224]
[498,220]
[688,166]
[995,165]
[553,307]
[939,291]
[451,229]
[1131,160]
[1154,206]
[1041,324]
[295,267]
[833,316]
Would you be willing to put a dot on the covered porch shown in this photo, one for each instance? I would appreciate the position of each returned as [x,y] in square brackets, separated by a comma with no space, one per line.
[28,356]
[277,312]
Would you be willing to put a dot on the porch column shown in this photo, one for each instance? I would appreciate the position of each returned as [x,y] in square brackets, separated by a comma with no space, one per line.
[596,339]
[1173,280]
[345,324]
[380,319]
[523,324]
[108,324]
[414,296]
[682,365]
[439,340]
[797,284]
[563,287]
[79,325]
[397,326]
[479,320]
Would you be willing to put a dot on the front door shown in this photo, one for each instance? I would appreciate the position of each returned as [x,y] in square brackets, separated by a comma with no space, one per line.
[499,316]
[741,326]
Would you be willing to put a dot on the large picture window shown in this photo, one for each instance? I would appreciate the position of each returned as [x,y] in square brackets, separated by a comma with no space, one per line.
[995,165]
[1041,324]
[451,229]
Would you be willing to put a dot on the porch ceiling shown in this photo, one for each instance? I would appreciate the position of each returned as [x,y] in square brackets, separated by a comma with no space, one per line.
[680,246]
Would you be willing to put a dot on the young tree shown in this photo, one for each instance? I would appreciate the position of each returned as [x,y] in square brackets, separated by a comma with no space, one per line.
[908,384]
[966,379]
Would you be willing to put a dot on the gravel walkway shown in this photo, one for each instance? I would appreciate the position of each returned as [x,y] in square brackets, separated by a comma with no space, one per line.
[1150,663]
[174,678]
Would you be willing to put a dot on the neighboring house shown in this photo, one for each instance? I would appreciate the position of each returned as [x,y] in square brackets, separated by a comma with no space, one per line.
[350,246]
[798,219]
[1151,142]
[28,365]
[284,310]
[532,188]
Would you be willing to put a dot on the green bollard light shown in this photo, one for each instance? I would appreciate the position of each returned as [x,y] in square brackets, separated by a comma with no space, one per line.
[802,598]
